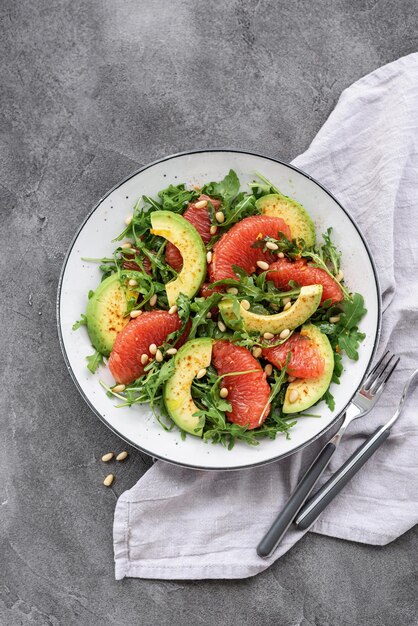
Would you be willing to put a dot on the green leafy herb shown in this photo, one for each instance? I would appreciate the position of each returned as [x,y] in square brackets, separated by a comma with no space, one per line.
[81,322]
[227,189]
[93,361]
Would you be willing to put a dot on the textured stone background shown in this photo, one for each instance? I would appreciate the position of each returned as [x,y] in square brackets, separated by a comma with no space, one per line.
[91,90]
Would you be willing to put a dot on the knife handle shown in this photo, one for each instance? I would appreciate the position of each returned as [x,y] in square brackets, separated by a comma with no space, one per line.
[314,507]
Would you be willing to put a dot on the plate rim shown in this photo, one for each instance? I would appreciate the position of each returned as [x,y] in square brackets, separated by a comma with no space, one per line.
[172,461]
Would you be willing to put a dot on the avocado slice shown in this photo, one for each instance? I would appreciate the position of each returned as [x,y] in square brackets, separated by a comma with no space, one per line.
[185,237]
[308,301]
[192,357]
[300,224]
[105,313]
[311,390]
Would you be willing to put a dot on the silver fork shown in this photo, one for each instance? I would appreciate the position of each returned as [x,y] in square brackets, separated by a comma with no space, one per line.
[363,402]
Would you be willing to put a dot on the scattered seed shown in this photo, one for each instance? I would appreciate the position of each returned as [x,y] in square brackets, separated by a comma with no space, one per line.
[262,265]
[272,246]
[220,217]
[122,456]
[201,373]
[153,300]
[213,229]
[171,351]
[153,348]
[286,300]
[209,257]
[339,276]
[245,305]
[119,388]
[293,395]
[106,457]
[108,480]
[287,306]
[268,335]
[132,282]
[159,356]
[201,204]
[221,326]
[144,359]
[136,313]
[281,255]
[284,334]
[268,369]
[208,315]
[291,378]
[257,352]
[223,392]
[128,219]
[335,319]
[173,309]
[126,245]
[232,290]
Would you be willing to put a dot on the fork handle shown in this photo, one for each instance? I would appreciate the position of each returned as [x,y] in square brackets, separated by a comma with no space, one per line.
[282,522]
[314,507]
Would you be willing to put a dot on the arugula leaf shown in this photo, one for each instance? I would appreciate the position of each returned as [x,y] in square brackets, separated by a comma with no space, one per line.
[201,307]
[226,189]
[81,322]
[93,361]
[329,399]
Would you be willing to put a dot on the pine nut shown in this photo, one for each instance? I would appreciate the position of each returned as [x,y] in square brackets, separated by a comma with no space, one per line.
[209,257]
[224,392]
[268,335]
[201,373]
[171,351]
[128,219]
[213,229]
[122,456]
[173,309]
[284,334]
[339,276]
[257,352]
[136,313]
[201,204]
[119,388]
[153,348]
[291,378]
[221,326]
[272,246]
[245,305]
[153,300]
[262,265]
[287,306]
[220,217]
[159,356]
[286,300]
[108,480]
[208,315]
[281,255]
[132,282]
[335,319]
[106,457]
[126,245]
[144,359]
[232,290]
[268,369]
[293,395]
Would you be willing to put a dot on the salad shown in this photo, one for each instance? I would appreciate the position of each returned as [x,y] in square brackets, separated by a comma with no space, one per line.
[221,309]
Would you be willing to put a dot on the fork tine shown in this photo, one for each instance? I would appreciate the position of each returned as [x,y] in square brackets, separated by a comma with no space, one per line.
[374,372]
[379,376]
[386,378]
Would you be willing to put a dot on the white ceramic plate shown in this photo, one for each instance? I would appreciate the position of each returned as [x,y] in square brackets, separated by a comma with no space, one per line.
[136,425]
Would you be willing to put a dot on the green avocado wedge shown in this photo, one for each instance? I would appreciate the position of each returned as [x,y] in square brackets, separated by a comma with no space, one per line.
[300,224]
[185,237]
[310,390]
[235,316]
[195,355]
[106,312]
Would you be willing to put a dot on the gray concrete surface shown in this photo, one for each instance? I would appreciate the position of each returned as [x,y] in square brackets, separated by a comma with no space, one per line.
[91,90]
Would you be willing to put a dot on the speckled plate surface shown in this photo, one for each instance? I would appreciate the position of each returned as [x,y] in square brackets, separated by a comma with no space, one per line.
[136,425]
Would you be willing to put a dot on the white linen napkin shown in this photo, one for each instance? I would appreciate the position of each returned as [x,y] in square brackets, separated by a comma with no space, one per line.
[178,523]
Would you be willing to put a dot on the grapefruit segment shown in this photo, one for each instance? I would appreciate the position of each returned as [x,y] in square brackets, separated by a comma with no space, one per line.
[306,360]
[247,393]
[284,270]
[134,341]
[235,246]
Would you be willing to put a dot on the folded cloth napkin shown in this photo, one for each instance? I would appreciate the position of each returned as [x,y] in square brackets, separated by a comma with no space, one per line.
[178,523]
